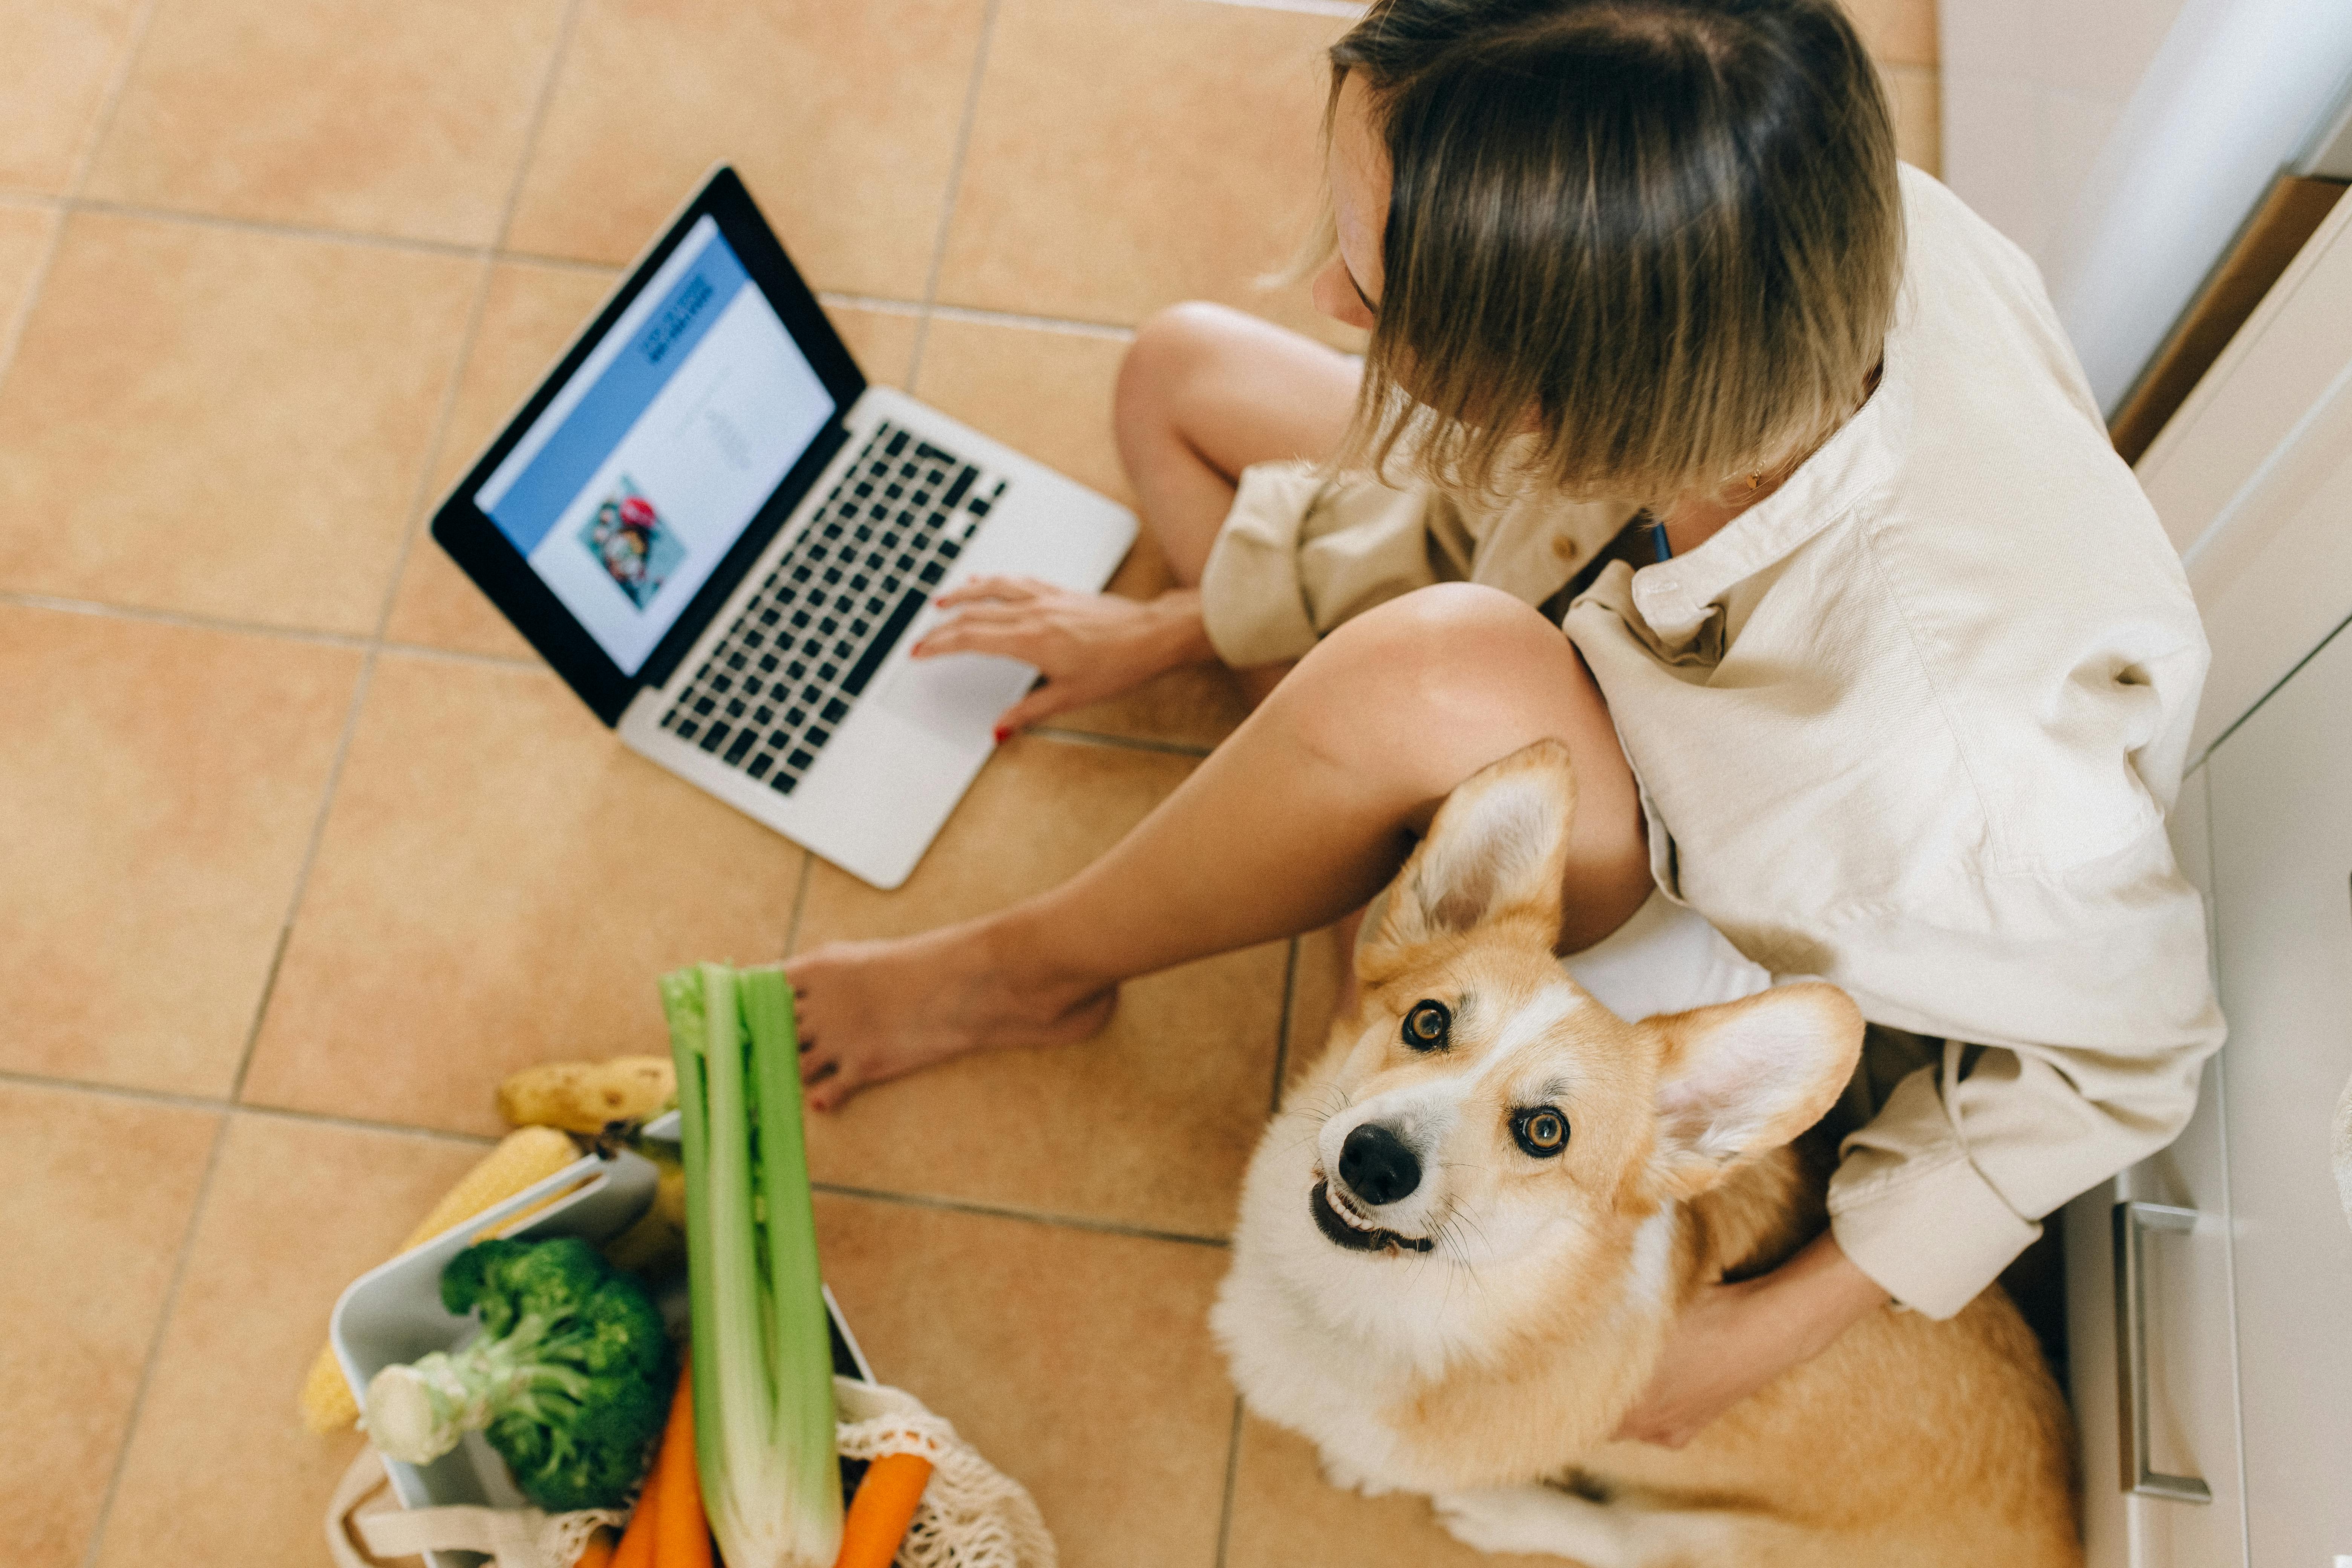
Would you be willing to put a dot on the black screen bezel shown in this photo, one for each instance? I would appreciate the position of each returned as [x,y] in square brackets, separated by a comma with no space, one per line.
[486,554]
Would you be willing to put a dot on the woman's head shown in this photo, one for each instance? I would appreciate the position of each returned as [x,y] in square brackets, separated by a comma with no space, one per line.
[1660,239]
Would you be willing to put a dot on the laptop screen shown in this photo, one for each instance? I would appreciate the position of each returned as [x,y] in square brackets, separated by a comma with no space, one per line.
[657,455]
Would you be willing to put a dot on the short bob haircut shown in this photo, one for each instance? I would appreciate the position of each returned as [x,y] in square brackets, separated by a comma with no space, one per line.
[1635,248]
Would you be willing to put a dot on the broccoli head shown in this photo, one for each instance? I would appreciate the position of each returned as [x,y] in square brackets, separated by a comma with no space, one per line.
[569,1379]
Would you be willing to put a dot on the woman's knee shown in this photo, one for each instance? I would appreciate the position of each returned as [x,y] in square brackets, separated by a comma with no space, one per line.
[1451,662]
[1429,687]
[1449,635]
[1175,347]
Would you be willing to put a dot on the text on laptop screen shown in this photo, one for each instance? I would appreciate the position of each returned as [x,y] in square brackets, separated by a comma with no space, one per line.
[657,455]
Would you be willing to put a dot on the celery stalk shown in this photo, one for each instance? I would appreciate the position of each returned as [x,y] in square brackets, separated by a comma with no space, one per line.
[762,1359]
[796,1301]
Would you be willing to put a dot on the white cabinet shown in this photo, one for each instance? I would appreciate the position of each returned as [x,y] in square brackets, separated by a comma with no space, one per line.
[2247,1341]
[2248,1335]
[2282,844]
[2188,1350]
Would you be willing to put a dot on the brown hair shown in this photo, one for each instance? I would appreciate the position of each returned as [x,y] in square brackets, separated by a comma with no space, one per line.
[1634,248]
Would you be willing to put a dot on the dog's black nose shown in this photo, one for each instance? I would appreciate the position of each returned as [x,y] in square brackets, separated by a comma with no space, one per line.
[1376,1164]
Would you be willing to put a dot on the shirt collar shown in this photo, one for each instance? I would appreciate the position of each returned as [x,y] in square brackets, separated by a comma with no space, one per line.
[1676,596]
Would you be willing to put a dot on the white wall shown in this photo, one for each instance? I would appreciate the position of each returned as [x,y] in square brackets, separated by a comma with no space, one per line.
[2123,142]
[2031,89]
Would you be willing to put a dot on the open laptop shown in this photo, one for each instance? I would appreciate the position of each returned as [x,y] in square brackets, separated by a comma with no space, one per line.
[726,541]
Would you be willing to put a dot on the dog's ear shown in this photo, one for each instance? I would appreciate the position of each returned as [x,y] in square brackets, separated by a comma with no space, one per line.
[1746,1076]
[1499,847]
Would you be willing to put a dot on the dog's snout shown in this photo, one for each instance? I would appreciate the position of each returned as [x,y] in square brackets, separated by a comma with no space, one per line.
[1376,1164]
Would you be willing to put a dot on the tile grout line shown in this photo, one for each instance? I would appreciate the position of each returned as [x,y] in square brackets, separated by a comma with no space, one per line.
[1282,1032]
[104,125]
[362,1124]
[954,189]
[1121,743]
[277,228]
[310,637]
[12,331]
[876,304]
[317,833]
[1068,326]
[616,270]
[169,1099]
[800,901]
[1233,1473]
[164,1310]
[183,618]
[1026,1216]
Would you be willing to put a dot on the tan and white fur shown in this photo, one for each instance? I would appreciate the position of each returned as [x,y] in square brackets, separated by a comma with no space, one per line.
[1479,1337]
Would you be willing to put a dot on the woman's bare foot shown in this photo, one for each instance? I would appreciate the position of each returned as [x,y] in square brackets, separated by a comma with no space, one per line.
[870,1011]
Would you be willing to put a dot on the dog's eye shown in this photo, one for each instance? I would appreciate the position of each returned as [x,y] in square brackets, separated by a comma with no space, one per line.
[1426,1027]
[1541,1132]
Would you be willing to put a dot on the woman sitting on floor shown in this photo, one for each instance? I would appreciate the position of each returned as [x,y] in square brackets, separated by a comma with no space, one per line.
[1874,655]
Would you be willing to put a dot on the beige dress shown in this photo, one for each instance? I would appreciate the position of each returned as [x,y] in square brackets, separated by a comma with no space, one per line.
[1912,724]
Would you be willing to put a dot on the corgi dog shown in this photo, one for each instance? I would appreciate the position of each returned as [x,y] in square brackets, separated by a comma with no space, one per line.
[1464,1242]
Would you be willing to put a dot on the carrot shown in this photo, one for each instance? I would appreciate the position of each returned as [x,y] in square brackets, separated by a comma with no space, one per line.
[636,1549]
[598,1553]
[681,1535]
[883,1508]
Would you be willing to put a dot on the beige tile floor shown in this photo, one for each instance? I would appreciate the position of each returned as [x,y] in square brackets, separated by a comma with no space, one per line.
[302,848]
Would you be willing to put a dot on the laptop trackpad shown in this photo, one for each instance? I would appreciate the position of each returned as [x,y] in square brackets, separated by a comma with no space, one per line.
[956,696]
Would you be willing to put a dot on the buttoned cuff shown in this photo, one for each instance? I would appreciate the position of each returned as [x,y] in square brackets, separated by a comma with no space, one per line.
[1932,1238]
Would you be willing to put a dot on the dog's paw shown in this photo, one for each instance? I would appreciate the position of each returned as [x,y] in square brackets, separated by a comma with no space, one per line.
[1529,1519]
[1348,1478]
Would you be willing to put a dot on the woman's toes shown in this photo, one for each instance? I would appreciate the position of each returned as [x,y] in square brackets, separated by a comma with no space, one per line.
[829,1092]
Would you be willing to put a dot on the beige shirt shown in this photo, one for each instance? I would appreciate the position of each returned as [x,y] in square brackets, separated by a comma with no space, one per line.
[1912,723]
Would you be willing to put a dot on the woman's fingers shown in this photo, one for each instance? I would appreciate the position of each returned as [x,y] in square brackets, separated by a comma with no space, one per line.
[1000,590]
[946,636]
[969,634]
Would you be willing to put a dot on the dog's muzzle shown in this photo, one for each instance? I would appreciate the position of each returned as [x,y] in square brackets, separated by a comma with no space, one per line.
[1344,1228]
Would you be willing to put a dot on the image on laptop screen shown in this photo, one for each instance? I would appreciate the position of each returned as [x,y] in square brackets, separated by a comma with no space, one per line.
[654,456]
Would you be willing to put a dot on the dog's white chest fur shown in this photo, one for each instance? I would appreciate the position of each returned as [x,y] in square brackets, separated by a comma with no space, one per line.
[1315,1342]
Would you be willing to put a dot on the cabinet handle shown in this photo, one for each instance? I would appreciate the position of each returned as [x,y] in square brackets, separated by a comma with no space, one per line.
[2131,1350]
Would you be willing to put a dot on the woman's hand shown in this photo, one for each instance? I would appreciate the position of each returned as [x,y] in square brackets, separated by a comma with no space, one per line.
[1735,1339]
[1087,645]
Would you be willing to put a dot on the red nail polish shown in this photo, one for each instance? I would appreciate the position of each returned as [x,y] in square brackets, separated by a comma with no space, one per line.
[1004,734]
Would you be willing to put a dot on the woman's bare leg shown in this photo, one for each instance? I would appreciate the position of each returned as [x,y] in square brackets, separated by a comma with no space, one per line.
[1204,392]
[1299,818]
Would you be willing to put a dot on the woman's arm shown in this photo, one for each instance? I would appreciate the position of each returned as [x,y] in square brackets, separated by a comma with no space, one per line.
[1735,1339]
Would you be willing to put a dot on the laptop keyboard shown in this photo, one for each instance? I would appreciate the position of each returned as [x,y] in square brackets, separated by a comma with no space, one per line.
[794,661]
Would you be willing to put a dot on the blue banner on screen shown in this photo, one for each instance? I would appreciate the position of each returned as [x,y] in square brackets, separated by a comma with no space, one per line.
[654,457]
